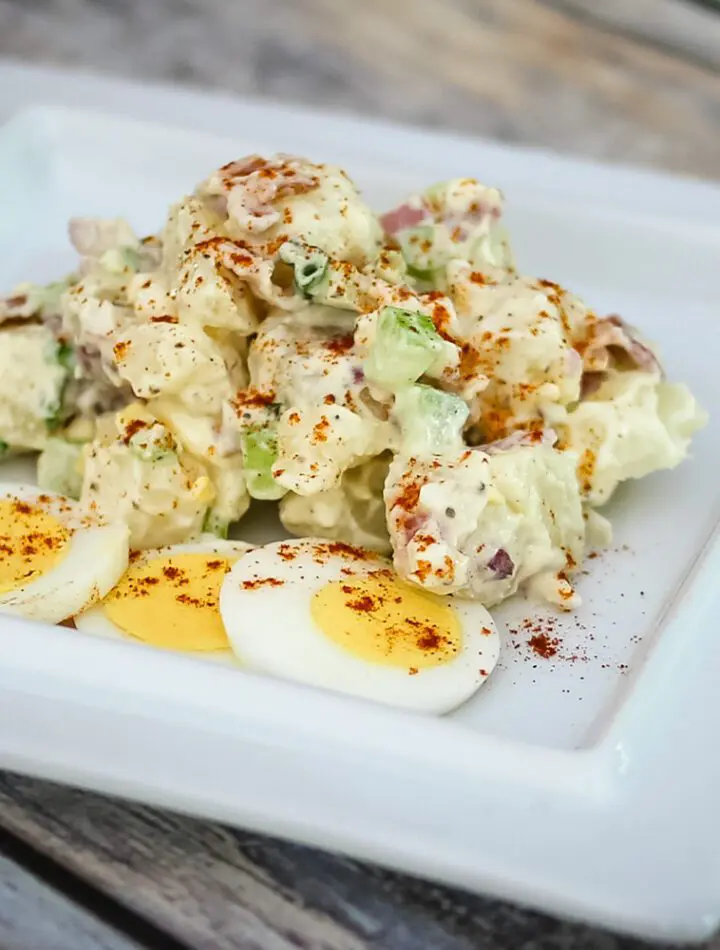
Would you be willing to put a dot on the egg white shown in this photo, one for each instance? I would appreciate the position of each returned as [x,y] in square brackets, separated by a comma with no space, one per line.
[94,559]
[272,631]
[95,621]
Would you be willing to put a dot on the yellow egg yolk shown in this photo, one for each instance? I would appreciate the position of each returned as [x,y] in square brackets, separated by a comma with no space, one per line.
[172,602]
[379,619]
[32,542]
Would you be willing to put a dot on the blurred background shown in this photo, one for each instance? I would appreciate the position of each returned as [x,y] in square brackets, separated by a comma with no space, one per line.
[633,80]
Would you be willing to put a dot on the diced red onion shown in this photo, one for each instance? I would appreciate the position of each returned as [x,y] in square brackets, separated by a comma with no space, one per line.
[501,564]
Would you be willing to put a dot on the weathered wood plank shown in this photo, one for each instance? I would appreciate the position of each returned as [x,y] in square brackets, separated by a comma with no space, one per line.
[213,887]
[635,81]
[35,917]
[690,31]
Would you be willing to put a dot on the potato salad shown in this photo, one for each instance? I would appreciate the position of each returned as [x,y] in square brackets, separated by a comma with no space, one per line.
[391,380]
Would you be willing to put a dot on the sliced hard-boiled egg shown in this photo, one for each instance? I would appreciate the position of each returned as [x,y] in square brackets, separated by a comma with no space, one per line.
[168,598]
[55,559]
[333,615]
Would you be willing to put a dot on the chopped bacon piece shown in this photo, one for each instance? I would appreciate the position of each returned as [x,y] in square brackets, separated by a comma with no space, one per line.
[403,217]
[614,334]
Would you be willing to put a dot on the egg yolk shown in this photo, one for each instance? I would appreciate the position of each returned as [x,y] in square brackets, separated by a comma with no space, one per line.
[172,602]
[32,542]
[381,620]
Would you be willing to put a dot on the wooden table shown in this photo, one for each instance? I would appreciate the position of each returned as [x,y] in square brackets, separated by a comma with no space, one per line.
[636,80]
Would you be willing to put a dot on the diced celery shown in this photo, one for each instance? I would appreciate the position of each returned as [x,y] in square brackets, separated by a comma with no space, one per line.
[63,355]
[492,249]
[55,411]
[53,418]
[342,287]
[436,193]
[322,280]
[391,266]
[4,448]
[117,260]
[405,346]
[59,467]
[431,421]
[46,299]
[153,444]
[419,251]
[310,265]
[426,276]
[57,351]
[214,524]
[423,258]
[131,257]
[259,450]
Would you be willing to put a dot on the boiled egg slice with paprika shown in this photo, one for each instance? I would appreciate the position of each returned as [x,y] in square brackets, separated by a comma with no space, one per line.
[55,559]
[168,598]
[333,615]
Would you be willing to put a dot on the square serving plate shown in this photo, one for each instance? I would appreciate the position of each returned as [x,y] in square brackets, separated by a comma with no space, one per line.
[585,784]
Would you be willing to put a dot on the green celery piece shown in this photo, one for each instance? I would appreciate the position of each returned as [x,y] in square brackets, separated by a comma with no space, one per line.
[117,260]
[53,420]
[58,351]
[322,280]
[259,450]
[152,445]
[216,525]
[405,346]
[411,242]
[431,420]
[131,257]
[64,355]
[436,192]
[58,467]
[423,263]
[427,276]
[46,298]
[310,265]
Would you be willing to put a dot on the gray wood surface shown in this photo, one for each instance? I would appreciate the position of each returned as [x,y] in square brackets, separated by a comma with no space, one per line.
[624,79]
[217,888]
[635,80]
[33,916]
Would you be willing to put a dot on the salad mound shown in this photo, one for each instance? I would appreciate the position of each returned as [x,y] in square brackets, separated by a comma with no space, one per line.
[391,381]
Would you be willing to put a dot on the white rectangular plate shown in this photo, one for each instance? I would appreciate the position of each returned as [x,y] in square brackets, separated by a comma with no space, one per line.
[586,784]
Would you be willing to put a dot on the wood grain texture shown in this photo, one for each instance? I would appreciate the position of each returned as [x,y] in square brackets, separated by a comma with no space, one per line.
[636,80]
[213,887]
[34,917]
[688,31]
